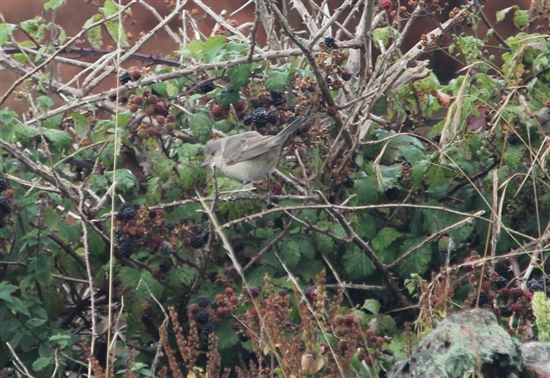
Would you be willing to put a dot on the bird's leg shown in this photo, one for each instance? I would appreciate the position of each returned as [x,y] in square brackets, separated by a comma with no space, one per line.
[269,204]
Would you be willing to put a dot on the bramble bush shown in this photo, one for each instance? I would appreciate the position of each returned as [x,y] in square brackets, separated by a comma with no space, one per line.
[400,200]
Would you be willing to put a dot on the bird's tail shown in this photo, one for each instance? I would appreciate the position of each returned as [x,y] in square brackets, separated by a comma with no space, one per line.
[290,129]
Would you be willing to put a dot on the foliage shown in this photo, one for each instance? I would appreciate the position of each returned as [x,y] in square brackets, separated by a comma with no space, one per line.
[121,253]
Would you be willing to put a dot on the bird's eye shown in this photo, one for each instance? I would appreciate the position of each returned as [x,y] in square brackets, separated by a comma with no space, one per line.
[213,153]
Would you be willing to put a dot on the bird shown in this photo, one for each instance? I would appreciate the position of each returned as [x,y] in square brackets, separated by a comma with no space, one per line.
[249,156]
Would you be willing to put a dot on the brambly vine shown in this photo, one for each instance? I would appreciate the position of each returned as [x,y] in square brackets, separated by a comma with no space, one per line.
[405,195]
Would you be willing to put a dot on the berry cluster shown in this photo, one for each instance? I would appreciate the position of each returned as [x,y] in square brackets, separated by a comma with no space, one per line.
[140,227]
[6,199]
[207,313]
[153,108]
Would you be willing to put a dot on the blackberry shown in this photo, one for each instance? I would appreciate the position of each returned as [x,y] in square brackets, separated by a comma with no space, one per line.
[254,291]
[112,97]
[346,76]
[505,311]
[166,248]
[194,308]
[247,120]
[330,42]
[483,298]
[517,292]
[203,301]
[3,185]
[501,282]
[513,139]
[208,328]
[214,305]
[277,98]
[201,317]
[311,292]
[272,116]
[393,193]
[125,249]
[437,138]
[213,276]
[197,241]
[118,233]
[349,182]
[260,117]
[5,207]
[196,228]
[207,87]
[238,246]
[169,225]
[276,94]
[534,286]
[165,266]
[125,77]
[283,292]
[545,281]
[126,212]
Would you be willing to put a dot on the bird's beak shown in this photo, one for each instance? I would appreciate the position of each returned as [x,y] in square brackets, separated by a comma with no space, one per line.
[205,163]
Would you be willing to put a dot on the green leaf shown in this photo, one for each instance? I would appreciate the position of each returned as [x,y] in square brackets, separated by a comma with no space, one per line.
[521,18]
[201,126]
[41,266]
[6,290]
[277,80]
[372,305]
[5,31]
[94,34]
[140,280]
[53,4]
[41,363]
[417,263]
[323,243]
[124,178]
[228,95]
[357,264]
[239,74]
[501,14]
[212,47]
[382,35]
[384,238]
[59,138]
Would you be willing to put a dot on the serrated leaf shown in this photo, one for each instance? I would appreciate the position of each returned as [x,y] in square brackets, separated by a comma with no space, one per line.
[290,254]
[357,264]
[276,80]
[228,95]
[94,34]
[5,31]
[201,126]
[142,281]
[53,4]
[124,178]
[366,190]
[384,238]
[6,290]
[501,14]
[239,75]
[41,363]
[160,88]
[41,266]
[417,263]
[59,138]
[372,305]
[521,18]
[212,47]
[382,35]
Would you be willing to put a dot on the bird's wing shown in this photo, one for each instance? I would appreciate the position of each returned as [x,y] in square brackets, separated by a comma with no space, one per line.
[246,149]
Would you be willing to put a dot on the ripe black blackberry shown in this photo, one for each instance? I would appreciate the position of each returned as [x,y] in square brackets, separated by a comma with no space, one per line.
[349,182]
[505,311]
[207,87]
[203,301]
[165,266]
[277,98]
[283,292]
[196,228]
[545,281]
[169,225]
[166,248]
[238,246]
[501,282]
[201,317]
[197,241]
[330,42]
[272,116]
[260,117]
[214,305]
[118,233]
[5,207]
[483,298]
[513,139]
[208,328]
[125,77]
[534,286]
[3,185]
[126,212]
[125,249]
[247,120]
[213,276]
[393,193]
